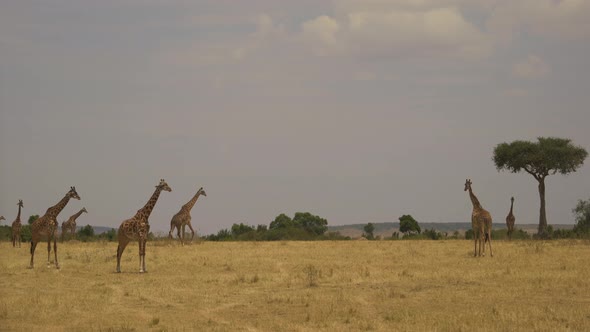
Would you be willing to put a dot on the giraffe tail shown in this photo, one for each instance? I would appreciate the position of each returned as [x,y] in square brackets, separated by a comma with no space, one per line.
[486,237]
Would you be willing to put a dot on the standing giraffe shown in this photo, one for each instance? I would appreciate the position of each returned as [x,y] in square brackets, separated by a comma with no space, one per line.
[47,226]
[138,227]
[70,224]
[16,225]
[183,218]
[481,222]
[510,219]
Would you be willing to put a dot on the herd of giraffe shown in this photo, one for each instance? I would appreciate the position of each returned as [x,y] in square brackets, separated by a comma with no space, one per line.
[135,228]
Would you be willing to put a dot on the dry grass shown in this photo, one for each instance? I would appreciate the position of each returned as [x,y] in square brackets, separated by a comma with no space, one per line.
[300,286]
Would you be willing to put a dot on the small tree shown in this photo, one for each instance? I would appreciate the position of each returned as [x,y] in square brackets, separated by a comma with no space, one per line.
[110,235]
[32,218]
[241,228]
[369,229]
[281,221]
[310,223]
[407,224]
[25,233]
[86,231]
[547,156]
[582,213]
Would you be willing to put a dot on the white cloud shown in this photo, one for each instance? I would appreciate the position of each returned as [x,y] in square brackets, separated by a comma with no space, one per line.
[321,33]
[376,32]
[530,68]
[548,18]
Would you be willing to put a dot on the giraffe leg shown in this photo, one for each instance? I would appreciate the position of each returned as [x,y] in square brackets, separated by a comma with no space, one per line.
[178,231]
[484,239]
[489,236]
[55,250]
[192,231]
[142,255]
[33,247]
[172,227]
[120,248]
[475,249]
[48,250]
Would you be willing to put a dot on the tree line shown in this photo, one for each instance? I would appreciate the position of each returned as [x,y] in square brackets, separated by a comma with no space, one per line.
[305,226]
[547,156]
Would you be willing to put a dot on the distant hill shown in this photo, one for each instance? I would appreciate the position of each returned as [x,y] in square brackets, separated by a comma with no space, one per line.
[385,229]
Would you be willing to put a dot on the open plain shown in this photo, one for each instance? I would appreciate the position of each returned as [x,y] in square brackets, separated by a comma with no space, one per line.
[299,286]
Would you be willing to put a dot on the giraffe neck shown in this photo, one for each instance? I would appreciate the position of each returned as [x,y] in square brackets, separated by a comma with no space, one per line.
[145,211]
[18,215]
[511,206]
[74,217]
[188,206]
[56,209]
[474,200]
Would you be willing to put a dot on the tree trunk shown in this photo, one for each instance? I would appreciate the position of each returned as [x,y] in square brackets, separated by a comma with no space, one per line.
[542,215]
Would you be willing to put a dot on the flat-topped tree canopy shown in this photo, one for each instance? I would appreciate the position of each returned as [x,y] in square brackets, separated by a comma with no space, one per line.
[547,156]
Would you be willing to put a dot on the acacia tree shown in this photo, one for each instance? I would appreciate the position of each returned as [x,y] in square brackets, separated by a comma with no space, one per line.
[407,224]
[547,156]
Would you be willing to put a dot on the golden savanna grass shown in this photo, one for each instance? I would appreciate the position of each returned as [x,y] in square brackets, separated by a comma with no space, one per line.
[300,286]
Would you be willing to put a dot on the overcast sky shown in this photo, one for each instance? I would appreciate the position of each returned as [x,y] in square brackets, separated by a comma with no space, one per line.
[357,111]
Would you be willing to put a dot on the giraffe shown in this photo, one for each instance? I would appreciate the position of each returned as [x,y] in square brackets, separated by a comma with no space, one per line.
[2,218]
[481,222]
[70,224]
[138,227]
[16,225]
[183,218]
[47,226]
[510,219]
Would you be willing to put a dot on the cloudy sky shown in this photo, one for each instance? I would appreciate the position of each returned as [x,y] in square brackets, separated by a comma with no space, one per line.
[357,111]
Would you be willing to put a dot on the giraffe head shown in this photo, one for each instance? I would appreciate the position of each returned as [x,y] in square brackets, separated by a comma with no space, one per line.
[202,192]
[163,186]
[467,184]
[84,210]
[73,194]
[512,199]
[20,203]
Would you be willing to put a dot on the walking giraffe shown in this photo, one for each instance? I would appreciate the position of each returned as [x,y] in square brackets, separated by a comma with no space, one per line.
[47,226]
[16,225]
[138,227]
[510,219]
[70,224]
[183,218]
[481,222]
